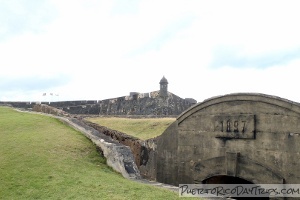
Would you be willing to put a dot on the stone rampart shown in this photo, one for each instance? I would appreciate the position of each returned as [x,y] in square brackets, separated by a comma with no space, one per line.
[141,105]
[118,156]
[49,110]
[172,105]
[18,104]
[133,143]
[156,103]
[142,150]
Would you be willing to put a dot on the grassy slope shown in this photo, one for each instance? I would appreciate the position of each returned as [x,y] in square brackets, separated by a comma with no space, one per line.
[41,158]
[142,128]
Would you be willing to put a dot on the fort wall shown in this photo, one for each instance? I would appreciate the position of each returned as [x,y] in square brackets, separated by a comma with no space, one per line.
[157,103]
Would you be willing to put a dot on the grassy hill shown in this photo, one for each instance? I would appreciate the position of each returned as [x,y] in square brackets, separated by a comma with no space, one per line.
[41,158]
[144,128]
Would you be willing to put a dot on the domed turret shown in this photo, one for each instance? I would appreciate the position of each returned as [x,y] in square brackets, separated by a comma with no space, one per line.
[163,92]
[163,80]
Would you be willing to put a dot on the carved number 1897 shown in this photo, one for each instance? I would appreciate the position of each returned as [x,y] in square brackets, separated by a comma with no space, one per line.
[233,126]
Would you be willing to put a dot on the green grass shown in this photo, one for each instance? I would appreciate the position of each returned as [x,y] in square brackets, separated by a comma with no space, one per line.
[144,128]
[41,158]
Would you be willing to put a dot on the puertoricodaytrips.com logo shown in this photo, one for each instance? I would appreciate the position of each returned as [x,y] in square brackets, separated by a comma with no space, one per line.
[239,190]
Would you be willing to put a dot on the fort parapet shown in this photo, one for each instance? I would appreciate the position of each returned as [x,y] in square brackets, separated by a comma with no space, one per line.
[156,103]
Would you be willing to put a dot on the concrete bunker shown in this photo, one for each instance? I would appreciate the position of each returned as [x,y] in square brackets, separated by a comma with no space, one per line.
[224,179]
[238,137]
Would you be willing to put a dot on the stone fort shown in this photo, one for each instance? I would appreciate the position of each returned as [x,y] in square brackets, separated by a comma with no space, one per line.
[156,103]
[242,138]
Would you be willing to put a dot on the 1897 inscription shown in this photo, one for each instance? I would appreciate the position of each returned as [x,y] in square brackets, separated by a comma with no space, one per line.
[235,126]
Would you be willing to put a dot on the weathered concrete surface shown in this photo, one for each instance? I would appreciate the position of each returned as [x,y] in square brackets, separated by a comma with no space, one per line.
[140,149]
[118,156]
[255,137]
[133,143]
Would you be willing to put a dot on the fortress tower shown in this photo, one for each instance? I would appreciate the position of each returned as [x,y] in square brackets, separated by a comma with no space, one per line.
[163,92]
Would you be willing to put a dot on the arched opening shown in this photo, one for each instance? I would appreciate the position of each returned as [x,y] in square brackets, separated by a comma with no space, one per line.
[223,179]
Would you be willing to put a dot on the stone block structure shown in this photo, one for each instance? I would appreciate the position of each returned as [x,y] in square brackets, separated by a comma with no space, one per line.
[236,138]
[156,103]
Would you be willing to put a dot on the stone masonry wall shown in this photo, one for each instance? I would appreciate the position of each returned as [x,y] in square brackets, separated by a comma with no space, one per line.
[133,143]
[49,110]
[138,104]
[143,151]
[153,105]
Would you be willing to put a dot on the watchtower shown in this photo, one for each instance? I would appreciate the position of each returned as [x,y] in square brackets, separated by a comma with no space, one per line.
[163,92]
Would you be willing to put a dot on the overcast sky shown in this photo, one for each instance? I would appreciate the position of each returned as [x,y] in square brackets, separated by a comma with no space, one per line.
[100,49]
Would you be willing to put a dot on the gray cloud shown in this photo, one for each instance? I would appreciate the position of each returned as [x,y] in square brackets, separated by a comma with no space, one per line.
[228,56]
[17,17]
[32,83]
